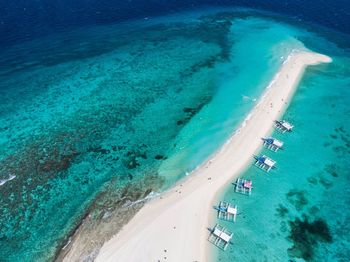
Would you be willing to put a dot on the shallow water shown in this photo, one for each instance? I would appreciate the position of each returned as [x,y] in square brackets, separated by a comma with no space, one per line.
[89,125]
[299,211]
[100,117]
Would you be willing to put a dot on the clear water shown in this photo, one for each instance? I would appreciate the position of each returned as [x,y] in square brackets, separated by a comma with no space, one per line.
[238,90]
[100,117]
[299,212]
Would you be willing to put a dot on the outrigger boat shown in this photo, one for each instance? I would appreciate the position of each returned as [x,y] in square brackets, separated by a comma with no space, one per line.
[283,126]
[220,237]
[226,211]
[265,163]
[243,186]
[272,143]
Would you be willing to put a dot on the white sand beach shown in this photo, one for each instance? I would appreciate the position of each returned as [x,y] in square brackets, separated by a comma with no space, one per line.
[173,227]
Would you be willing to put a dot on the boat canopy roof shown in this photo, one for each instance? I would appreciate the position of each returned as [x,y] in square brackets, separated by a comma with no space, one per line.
[225,237]
[277,143]
[267,161]
[217,232]
[287,125]
[248,184]
[231,210]
[274,141]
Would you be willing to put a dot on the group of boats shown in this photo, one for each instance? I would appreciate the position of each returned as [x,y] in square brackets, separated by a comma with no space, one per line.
[221,236]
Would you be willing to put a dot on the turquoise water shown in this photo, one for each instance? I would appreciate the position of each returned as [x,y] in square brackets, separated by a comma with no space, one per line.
[299,211]
[100,117]
[238,90]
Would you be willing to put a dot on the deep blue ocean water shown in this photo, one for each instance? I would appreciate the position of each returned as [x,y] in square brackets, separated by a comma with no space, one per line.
[103,102]
[21,20]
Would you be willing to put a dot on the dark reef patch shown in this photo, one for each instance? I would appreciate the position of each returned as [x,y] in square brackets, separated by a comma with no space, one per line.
[131,162]
[160,157]
[325,182]
[345,138]
[331,169]
[282,211]
[219,26]
[283,227]
[297,198]
[190,110]
[132,157]
[312,180]
[340,150]
[189,113]
[208,63]
[340,129]
[98,150]
[326,144]
[313,210]
[57,165]
[306,235]
[333,136]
